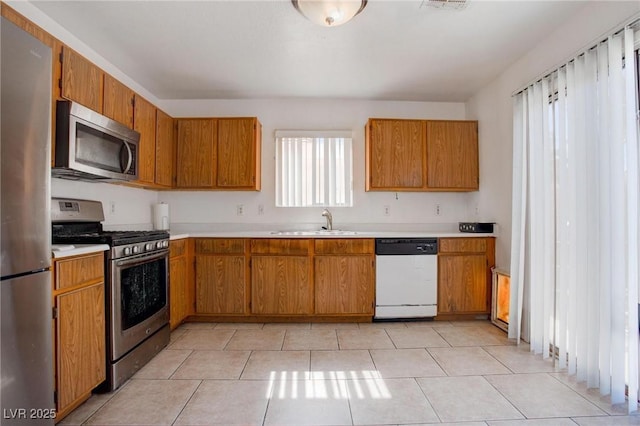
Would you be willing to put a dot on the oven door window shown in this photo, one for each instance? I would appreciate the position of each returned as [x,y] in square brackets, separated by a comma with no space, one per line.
[143,291]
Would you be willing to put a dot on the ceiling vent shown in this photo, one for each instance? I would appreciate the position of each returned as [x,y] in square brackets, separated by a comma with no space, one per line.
[445,4]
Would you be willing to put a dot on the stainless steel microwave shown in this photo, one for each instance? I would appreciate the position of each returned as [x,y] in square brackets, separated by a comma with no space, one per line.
[90,146]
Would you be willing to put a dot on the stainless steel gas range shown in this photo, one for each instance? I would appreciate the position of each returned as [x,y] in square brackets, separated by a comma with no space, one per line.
[137,284]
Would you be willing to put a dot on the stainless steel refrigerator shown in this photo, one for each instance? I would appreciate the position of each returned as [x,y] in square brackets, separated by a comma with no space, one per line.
[26,389]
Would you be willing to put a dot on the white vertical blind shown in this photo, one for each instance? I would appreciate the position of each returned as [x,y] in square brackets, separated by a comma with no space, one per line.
[313,169]
[575,244]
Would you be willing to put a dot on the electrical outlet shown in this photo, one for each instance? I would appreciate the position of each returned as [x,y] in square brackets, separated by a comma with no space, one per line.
[387,210]
[260,209]
[112,207]
[438,210]
[477,211]
[240,209]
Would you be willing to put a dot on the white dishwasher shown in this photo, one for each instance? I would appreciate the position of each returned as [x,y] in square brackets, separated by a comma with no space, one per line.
[406,278]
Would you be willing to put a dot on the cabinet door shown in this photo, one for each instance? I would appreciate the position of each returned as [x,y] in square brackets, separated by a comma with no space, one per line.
[462,284]
[196,154]
[165,148]
[395,155]
[118,101]
[344,285]
[81,80]
[237,153]
[80,346]
[452,155]
[280,285]
[221,285]
[177,290]
[145,124]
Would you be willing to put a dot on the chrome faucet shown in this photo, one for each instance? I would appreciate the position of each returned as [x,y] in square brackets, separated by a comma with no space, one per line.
[327,214]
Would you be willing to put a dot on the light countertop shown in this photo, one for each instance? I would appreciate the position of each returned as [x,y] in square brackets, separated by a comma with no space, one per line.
[59,251]
[357,234]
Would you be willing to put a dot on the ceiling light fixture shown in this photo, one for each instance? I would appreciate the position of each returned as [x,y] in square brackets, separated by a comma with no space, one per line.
[329,13]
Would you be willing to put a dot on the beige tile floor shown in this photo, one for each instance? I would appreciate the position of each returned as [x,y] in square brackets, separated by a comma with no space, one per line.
[464,373]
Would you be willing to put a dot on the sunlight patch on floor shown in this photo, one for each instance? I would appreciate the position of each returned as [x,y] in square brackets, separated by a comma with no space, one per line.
[365,384]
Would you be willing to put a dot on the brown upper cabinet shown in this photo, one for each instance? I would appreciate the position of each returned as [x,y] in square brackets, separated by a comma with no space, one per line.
[195,153]
[239,153]
[218,153]
[395,154]
[421,155]
[165,149]
[81,80]
[144,119]
[118,101]
[452,155]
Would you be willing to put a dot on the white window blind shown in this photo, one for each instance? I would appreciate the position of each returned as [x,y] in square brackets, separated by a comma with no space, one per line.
[313,169]
[576,239]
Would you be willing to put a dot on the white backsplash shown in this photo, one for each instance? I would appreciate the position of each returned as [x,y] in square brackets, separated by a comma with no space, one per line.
[125,208]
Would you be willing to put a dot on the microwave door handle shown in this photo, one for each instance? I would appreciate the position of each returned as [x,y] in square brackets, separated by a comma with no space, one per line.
[129,158]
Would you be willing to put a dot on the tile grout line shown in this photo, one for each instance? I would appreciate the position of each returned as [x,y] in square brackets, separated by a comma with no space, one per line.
[503,395]
[244,367]
[86,421]
[191,352]
[577,393]
[497,360]
[187,402]
[415,379]
[435,359]
[391,339]
[224,348]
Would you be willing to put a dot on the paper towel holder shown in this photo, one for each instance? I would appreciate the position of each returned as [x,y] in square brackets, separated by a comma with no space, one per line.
[161,216]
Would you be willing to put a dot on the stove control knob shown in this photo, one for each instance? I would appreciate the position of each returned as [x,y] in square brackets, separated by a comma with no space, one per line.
[159,245]
[127,251]
[148,247]
[136,249]
[165,244]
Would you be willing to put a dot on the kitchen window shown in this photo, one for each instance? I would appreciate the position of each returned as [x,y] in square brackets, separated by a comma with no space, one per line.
[314,169]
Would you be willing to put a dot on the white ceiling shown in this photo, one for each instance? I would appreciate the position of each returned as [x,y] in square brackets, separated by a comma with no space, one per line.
[393,50]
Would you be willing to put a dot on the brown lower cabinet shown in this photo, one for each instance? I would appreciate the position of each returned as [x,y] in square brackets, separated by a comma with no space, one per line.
[281,277]
[296,278]
[464,277]
[281,285]
[79,329]
[344,276]
[302,279]
[221,276]
[180,290]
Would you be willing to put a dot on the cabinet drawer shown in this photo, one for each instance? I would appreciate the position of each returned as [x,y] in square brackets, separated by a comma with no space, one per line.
[177,248]
[280,246]
[220,246]
[79,270]
[462,245]
[344,246]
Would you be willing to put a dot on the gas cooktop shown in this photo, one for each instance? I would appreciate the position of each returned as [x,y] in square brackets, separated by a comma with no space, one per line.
[113,238]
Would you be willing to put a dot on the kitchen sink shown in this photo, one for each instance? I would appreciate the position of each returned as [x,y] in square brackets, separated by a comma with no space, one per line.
[312,233]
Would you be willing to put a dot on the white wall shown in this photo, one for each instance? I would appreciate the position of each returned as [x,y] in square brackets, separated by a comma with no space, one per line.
[493,108]
[220,207]
[124,207]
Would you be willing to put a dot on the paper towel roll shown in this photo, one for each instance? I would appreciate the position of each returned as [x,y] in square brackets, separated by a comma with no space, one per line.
[161,216]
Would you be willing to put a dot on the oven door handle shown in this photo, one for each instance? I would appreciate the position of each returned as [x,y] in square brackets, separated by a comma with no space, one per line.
[143,258]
